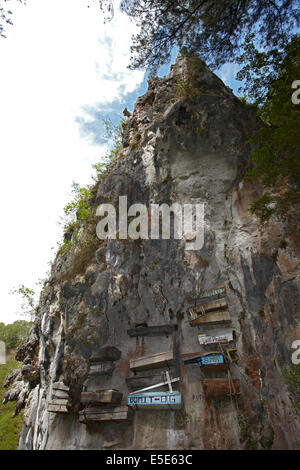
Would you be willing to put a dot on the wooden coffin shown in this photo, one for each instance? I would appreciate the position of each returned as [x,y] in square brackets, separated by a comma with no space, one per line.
[97,414]
[225,337]
[102,396]
[156,330]
[156,400]
[211,318]
[60,386]
[60,394]
[220,387]
[152,362]
[215,361]
[58,406]
[207,361]
[107,353]
[214,291]
[209,306]
[104,368]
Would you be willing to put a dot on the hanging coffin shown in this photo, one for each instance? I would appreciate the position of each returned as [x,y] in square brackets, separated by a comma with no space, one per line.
[216,388]
[220,291]
[212,361]
[102,396]
[224,337]
[209,318]
[156,400]
[152,362]
[98,414]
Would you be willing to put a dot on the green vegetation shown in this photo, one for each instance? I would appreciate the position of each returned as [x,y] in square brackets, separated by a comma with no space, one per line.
[29,301]
[212,28]
[79,222]
[9,428]
[188,89]
[14,333]
[291,376]
[276,156]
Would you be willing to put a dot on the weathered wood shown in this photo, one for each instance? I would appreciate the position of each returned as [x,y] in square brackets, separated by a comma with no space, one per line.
[102,396]
[224,337]
[214,291]
[152,362]
[219,387]
[193,358]
[156,400]
[54,408]
[211,318]
[60,386]
[120,413]
[60,401]
[209,306]
[156,330]
[106,368]
[107,353]
[60,393]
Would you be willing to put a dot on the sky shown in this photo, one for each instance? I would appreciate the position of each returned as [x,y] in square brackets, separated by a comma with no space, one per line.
[62,70]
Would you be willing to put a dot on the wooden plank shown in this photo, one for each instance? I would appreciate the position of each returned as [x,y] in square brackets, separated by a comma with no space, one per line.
[157,330]
[102,396]
[53,408]
[60,401]
[211,318]
[106,368]
[156,400]
[219,387]
[107,353]
[209,306]
[60,386]
[152,362]
[120,413]
[225,337]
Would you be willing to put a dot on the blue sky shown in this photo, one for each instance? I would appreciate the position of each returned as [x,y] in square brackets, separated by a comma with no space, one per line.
[62,71]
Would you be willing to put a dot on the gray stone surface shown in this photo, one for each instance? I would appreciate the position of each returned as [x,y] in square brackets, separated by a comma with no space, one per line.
[189,151]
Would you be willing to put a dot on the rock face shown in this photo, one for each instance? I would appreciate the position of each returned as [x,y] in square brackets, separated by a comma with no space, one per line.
[184,142]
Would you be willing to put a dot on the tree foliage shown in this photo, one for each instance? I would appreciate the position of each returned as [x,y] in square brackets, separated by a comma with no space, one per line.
[212,28]
[29,304]
[276,156]
[14,333]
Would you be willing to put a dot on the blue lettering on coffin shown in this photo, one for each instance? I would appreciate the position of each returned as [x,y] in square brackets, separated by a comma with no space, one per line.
[211,360]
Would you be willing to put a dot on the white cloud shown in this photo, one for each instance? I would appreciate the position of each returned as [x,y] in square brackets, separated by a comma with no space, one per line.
[58,57]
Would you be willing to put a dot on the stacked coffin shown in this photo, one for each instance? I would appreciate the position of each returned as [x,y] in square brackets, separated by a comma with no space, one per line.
[211,313]
[103,404]
[60,402]
[150,397]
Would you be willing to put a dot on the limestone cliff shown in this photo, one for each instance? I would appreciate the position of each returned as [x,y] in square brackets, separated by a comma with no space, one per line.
[185,142]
